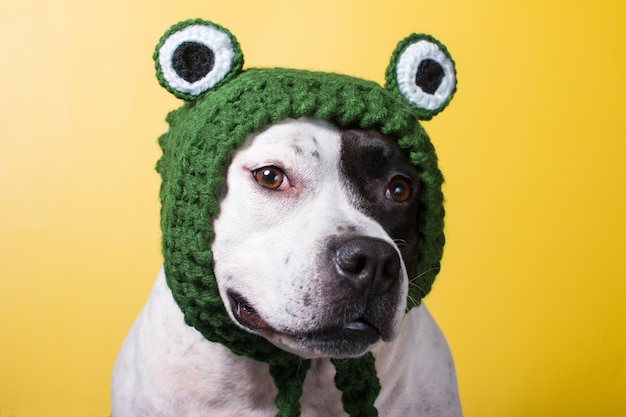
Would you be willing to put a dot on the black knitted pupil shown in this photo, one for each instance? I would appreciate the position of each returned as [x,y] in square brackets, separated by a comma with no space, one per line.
[429,76]
[192,61]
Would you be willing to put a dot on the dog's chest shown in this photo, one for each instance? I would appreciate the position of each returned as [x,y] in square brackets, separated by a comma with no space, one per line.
[255,391]
[320,397]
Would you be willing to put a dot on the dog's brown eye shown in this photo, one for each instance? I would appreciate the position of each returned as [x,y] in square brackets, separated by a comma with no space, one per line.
[399,189]
[270,177]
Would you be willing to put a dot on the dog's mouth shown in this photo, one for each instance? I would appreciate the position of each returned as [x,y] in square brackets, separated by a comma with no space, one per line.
[246,315]
[350,338]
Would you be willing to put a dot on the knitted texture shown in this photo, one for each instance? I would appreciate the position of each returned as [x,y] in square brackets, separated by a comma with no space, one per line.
[289,377]
[422,73]
[197,149]
[359,384]
[206,36]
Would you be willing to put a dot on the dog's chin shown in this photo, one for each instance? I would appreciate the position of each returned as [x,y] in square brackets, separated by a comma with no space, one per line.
[352,338]
[330,343]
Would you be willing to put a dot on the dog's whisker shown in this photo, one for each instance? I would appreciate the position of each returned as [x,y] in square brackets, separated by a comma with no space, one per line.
[300,365]
[418,287]
[412,299]
[418,276]
[400,242]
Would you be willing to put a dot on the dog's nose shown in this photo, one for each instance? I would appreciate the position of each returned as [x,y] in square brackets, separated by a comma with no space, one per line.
[370,265]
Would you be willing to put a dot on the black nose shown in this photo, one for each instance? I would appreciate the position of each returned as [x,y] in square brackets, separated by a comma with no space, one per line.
[370,265]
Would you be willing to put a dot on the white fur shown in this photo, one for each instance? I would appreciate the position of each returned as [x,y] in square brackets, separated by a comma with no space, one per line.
[271,226]
[266,246]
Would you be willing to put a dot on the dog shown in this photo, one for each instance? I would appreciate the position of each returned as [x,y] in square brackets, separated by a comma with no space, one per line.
[314,243]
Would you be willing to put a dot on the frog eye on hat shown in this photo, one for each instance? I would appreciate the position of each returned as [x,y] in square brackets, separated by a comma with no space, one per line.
[422,72]
[195,56]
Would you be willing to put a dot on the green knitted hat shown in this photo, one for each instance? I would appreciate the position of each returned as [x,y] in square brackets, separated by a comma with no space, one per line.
[201,63]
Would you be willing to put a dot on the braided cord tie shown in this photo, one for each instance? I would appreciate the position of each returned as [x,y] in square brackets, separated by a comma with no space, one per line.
[355,378]
[289,379]
[359,384]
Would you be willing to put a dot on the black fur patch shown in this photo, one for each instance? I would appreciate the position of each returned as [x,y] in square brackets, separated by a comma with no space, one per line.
[369,160]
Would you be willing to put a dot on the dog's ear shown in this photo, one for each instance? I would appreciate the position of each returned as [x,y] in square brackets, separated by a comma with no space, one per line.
[422,73]
[196,56]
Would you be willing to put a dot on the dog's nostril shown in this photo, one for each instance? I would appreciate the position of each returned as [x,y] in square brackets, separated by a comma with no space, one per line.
[368,264]
[353,263]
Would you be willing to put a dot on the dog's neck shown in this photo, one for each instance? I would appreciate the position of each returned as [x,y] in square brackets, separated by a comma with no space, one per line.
[169,368]
[255,390]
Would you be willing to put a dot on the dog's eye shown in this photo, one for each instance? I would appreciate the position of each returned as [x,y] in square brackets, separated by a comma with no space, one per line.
[272,178]
[399,189]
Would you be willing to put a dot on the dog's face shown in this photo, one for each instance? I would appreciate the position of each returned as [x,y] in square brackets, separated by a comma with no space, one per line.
[315,236]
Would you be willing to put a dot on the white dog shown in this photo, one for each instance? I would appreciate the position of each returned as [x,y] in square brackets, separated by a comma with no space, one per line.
[313,241]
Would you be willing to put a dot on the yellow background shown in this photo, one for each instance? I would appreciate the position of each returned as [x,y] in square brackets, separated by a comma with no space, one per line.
[532,296]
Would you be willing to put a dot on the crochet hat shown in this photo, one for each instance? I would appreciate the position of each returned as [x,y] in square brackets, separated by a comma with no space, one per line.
[201,63]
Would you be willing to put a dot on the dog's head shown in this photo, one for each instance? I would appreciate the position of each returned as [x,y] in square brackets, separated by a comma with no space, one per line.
[303,207]
[315,236]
